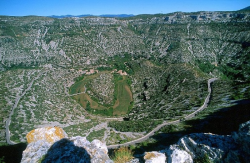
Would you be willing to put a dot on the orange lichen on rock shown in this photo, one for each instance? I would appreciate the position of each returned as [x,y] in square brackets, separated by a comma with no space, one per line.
[149,155]
[49,134]
[30,136]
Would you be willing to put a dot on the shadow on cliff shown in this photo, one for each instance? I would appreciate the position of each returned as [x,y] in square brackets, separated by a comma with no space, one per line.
[222,122]
[12,153]
[64,150]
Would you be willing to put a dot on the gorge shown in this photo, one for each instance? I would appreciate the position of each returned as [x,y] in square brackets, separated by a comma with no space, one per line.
[118,79]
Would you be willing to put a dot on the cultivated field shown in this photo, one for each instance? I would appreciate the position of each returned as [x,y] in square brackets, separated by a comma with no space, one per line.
[93,90]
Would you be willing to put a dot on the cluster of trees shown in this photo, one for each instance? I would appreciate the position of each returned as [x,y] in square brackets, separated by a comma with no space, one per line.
[122,62]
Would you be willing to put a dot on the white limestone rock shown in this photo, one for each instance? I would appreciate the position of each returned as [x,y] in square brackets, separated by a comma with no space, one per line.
[34,151]
[179,156]
[154,157]
[96,149]
[64,150]
[215,146]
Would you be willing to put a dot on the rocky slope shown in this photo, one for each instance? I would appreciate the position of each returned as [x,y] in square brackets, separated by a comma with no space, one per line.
[214,37]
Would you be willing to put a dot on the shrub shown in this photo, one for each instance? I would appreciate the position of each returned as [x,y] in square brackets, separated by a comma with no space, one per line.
[122,155]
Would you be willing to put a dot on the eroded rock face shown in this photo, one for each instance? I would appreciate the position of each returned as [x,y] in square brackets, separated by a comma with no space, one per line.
[52,143]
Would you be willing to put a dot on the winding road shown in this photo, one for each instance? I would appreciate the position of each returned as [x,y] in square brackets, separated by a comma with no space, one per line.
[8,121]
[151,133]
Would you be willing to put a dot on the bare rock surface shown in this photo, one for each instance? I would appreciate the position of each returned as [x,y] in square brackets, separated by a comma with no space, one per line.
[180,156]
[35,151]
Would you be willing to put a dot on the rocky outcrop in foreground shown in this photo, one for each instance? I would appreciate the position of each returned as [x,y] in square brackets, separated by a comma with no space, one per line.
[52,144]
[217,148]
